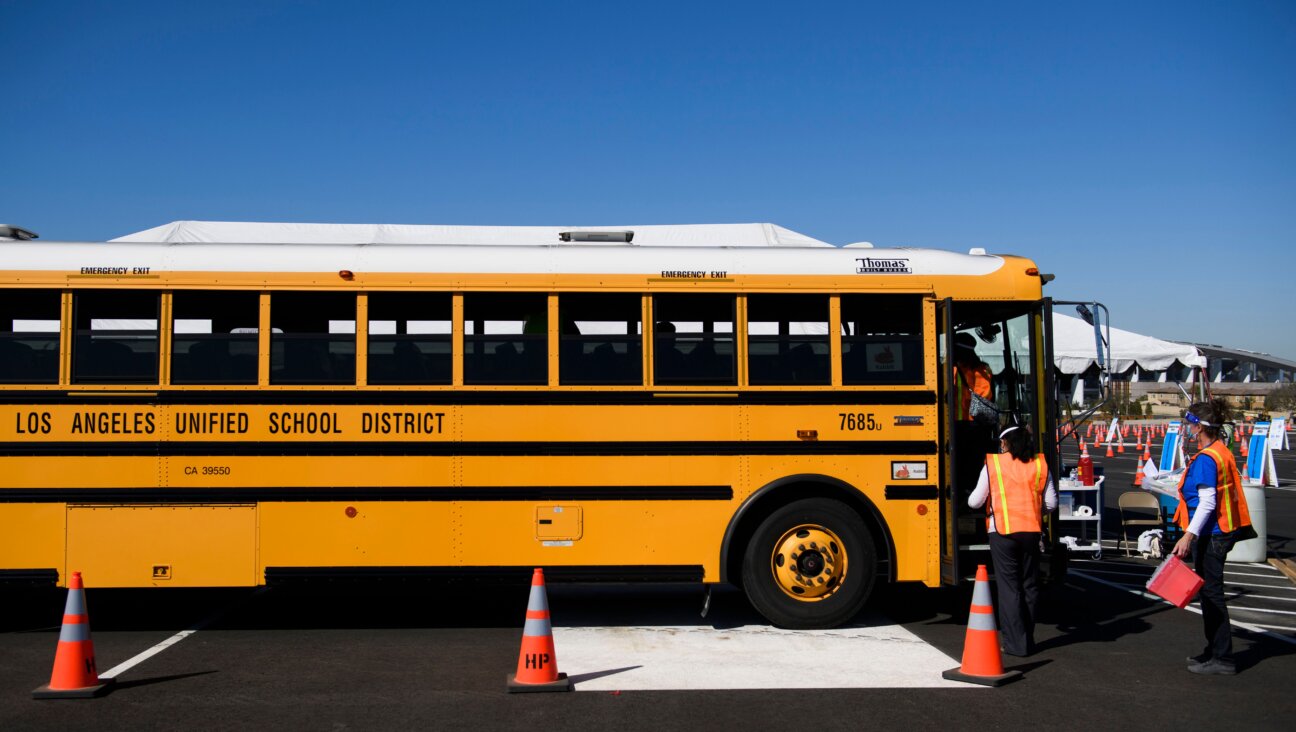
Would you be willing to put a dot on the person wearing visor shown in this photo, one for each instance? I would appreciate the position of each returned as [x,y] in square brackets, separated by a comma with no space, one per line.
[1020,490]
[1212,511]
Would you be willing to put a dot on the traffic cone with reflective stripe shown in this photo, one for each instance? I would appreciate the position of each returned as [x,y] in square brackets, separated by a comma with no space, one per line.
[537,668]
[982,663]
[1109,450]
[75,675]
[1242,443]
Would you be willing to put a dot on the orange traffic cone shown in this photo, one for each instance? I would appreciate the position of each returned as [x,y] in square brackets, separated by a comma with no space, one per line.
[982,663]
[1243,444]
[537,668]
[1138,476]
[1147,451]
[75,675]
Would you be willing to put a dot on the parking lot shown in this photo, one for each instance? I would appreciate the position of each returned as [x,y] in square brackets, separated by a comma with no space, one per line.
[341,656]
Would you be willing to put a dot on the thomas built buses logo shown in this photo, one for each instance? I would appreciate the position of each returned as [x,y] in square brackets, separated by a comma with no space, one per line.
[868,265]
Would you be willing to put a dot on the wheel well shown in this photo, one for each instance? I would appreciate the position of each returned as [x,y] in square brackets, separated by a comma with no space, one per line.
[792,488]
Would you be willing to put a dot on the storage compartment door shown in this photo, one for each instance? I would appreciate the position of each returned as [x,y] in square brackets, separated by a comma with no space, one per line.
[163,546]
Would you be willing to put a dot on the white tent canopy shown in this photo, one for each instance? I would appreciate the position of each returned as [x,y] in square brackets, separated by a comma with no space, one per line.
[243,232]
[1074,350]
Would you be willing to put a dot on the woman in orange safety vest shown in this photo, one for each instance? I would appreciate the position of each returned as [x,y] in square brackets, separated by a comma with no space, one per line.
[1212,511]
[1017,483]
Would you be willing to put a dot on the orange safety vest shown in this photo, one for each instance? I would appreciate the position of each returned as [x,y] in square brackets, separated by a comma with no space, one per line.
[1230,504]
[969,380]
[1016,493]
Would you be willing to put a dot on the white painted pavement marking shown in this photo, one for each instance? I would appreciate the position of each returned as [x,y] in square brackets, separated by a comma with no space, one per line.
[880,655]
[134,661]
[1253,627]
[139,658]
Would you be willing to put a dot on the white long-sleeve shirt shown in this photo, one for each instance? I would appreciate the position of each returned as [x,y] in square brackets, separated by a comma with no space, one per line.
[1205,509]
[982,492]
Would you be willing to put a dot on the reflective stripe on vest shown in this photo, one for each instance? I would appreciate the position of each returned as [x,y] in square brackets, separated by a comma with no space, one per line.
[1230,503]
[1017,488]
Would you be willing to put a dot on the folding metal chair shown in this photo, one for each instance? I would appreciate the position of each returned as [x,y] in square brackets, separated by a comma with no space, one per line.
[1138,501]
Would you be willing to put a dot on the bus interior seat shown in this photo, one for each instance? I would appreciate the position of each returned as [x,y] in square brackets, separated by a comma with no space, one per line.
[17,360]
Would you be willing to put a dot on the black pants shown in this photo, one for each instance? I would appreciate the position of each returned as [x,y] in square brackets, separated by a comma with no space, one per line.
[1209,552]
[1016,565]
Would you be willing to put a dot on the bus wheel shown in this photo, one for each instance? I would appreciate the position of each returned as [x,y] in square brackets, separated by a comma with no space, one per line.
[810,564]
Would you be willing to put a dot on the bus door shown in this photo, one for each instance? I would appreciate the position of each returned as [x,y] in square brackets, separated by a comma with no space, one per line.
[1007,344]
[950,508]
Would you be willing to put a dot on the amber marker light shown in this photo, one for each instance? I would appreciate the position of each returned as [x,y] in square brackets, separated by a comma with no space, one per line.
[346,274]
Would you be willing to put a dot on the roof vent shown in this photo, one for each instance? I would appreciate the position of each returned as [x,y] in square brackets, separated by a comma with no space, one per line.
[14,232]
[619,237]
[977,252]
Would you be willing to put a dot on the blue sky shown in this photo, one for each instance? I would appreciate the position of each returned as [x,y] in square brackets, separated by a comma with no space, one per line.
[1145,152]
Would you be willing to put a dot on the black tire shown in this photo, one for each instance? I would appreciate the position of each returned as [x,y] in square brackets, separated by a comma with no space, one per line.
[852,588]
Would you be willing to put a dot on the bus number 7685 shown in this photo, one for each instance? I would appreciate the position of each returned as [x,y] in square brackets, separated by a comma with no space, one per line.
[852,422]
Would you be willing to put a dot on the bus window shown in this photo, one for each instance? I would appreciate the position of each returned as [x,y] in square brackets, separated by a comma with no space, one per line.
[410,337]
[882,339]
[506,338]
[214,337]
[312,338]
[29,336]
[115,337]
[601,339]
[694,337]
[787,340]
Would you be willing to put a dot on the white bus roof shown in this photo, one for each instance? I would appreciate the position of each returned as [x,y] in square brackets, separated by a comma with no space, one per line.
[684,252]
[246,232]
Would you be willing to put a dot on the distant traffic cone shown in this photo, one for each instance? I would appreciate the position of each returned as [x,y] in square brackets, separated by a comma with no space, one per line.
[1243,444]
[1121,446]
[1138,476]
[1109,450]
[537,668]
[1082,444]
[1147,452]
[75,675]
[982,663]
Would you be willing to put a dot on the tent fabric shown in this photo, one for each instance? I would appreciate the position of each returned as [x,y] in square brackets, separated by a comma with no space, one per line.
[1074,350]
[242,232]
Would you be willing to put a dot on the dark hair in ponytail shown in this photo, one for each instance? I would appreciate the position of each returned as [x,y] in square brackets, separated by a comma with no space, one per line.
[1020,443]
[1214,414]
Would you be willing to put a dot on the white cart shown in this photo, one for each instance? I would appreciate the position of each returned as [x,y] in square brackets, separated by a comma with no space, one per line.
[1080,510]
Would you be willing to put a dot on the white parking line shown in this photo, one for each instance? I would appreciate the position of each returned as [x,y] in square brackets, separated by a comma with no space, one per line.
[136,660]
[139,658]
[1253,627]
[1232,607]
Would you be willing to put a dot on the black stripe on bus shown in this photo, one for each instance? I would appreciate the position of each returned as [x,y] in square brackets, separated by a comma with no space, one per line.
[368,493]
[513,575]
[466,449]
[453,398]
[912,493]
[29,576]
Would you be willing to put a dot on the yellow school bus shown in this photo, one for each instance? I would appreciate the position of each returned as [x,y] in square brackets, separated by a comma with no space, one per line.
[701,404]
